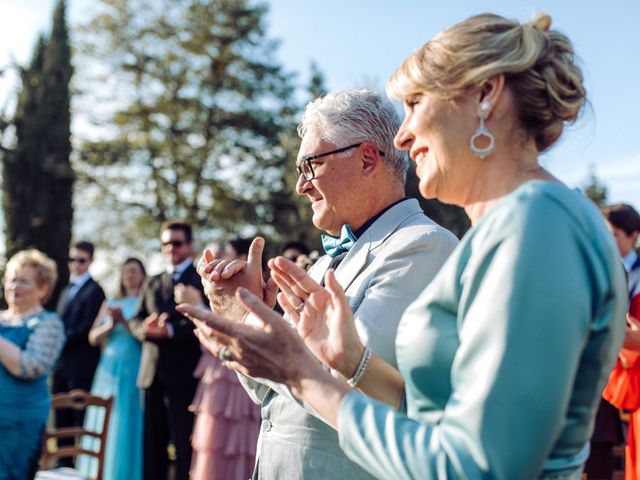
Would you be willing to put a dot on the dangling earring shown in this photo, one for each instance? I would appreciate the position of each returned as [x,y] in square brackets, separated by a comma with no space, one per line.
[482,132]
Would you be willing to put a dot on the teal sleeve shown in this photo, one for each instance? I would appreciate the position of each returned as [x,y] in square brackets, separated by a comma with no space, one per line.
[524,320]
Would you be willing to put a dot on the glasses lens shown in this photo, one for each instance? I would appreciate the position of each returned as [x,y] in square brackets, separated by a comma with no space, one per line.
[77,259]
[305,170]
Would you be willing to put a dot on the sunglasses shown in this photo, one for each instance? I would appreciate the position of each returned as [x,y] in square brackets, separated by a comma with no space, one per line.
[173,243]
[78,260]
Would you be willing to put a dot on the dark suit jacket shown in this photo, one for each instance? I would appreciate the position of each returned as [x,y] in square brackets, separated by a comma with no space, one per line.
[78,357]
[168,362]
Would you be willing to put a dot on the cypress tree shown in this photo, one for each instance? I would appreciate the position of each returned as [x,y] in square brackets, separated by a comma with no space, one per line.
[38,178]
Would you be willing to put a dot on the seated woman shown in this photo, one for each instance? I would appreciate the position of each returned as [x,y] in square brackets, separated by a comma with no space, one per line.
[116,376]
[503,356]
[31,339]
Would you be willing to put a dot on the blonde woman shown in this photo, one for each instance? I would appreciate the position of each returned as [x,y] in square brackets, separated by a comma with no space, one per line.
[31,339]
[503,356]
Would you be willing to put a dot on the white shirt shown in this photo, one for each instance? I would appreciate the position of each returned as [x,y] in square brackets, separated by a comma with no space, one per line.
[629,259]
[77,282]
[176,271]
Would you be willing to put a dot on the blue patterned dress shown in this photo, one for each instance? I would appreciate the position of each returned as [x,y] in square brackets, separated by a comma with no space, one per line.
[24,399]
[116,375]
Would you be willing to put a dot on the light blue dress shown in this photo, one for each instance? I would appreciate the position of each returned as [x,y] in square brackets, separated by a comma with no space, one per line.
[505,354]
[116,375]
[24,399]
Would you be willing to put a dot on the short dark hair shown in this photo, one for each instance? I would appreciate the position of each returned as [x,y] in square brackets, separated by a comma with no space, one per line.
[301,247]
[84,246]
[180,226]
[240,245]
[622,216]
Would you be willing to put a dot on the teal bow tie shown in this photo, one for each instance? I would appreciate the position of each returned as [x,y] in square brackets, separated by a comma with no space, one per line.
[335,246]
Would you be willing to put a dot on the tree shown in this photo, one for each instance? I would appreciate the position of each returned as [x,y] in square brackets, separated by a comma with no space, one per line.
[595,189]
[38,178]
[291,212]
[198,128]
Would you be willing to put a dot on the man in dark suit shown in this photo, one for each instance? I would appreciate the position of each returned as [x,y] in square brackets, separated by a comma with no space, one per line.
[170,353]
[78,306]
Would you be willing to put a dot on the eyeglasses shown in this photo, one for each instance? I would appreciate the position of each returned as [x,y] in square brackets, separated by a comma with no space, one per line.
[305,168]
[78,260]
[173,243]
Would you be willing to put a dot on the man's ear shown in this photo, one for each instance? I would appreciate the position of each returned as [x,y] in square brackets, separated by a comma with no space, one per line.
[371,158]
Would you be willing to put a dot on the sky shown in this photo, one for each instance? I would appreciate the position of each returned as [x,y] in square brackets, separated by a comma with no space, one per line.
[361,43]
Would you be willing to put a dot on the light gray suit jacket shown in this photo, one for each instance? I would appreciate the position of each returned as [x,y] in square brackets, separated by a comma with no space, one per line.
[393,260]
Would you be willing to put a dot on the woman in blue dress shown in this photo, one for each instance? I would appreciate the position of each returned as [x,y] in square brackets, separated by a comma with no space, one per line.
[503,357]
[116,376]
[31,339]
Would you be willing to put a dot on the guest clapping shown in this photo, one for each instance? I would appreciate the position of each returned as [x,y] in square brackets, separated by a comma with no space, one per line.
[116,376]
[503,356]
[31,339]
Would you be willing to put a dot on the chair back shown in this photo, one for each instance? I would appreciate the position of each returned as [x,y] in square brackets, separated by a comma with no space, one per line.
[76,400]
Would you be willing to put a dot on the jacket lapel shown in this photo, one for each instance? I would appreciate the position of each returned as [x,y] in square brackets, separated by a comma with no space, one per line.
[358,257]
[63,301]
[167,287]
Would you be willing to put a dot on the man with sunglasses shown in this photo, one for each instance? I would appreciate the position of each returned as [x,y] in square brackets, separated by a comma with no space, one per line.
[170,353]
[384,251]
[78,307]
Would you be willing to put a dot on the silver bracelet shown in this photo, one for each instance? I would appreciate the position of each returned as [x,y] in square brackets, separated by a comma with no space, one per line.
[362,366]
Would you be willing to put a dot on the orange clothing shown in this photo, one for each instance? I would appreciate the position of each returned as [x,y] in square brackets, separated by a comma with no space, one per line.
[623,391]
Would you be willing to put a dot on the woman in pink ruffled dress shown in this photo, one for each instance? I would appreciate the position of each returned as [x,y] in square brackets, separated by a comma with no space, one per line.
[227,423]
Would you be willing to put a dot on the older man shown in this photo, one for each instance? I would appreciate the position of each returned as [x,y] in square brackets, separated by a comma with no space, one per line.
[382,246]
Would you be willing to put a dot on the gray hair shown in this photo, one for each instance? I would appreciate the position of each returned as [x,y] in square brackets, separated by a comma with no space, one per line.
[357,115]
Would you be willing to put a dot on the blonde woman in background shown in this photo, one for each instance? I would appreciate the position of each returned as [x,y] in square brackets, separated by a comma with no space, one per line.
[116,376]
[31,339]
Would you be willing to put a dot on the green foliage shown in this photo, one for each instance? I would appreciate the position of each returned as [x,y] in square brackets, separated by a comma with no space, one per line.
[595,189]
[38,179]
[202,120]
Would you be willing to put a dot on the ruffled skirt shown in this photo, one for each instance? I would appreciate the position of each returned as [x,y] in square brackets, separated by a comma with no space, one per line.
[227,424]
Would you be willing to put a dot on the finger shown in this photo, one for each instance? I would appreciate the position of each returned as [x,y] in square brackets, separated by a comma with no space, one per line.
[238,367]
[293,299]
[257,306]
[289,310]
[234,267]
[217,323]
[309,319]
[298,278]
[162,319]
[206,269]
[338,298]
[216,269]
[254,257]
[270,292]
[634,322]
[207,257]
[201,326]
[209,343]
[318,301]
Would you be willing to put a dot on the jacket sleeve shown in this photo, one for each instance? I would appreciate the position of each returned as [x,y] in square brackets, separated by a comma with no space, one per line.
[86,313]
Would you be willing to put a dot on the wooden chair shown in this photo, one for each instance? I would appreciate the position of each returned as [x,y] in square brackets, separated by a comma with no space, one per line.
[76,400]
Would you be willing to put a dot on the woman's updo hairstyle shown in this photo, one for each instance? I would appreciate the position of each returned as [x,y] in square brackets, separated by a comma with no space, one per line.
[538,64]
